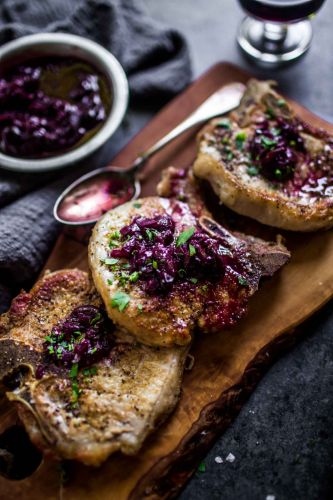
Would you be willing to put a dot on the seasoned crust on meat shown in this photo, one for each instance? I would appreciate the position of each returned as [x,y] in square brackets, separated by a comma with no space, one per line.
[129,393]
[303,205]
[162,321]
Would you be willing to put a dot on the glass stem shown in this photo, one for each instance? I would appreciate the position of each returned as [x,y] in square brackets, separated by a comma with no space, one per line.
[275,32]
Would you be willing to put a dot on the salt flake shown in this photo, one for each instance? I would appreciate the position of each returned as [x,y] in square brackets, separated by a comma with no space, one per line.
[218,460]
[230,458]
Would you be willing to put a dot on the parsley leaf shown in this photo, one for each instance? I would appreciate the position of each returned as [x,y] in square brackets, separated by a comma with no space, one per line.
[192,250]
[137,205]
[140,308]
[252,170]
[185,236]
[134,276]
[74,370]
[281,103]
[194,280]
[111,262]
[75,392]
[96,319]
[120,300]
[114,239]
[240,139]
[267,142]
[242,281]
[150,234]
[202,467]
[225,123]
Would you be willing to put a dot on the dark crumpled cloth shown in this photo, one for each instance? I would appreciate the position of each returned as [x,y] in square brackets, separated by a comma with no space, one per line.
[156,61]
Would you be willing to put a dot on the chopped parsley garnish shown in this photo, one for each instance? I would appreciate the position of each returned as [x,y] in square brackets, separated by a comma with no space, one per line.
[270,112]
[185,236]
[109,282]
[267,142]
[150,233]
[225,123]
[275,131]
[194,280]
[74,370]
[240,139]
[111,262]
[140,308]
[281,103]
[123,278]
[252,170]
[155,264]
[75,392]
[202,467]
[182,273]
[114,239]
[278,174]
[120,300]
[134,277]
[116,235]
[97,318]
[88,372]
[192,250]
[242,281]
[230,156]
[137,205]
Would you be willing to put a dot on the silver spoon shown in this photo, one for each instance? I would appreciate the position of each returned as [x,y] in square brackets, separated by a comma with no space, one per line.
[86,199]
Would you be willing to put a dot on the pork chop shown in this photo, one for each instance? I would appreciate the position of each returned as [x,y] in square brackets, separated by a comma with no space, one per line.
[72,410]
[266,163]
[162,270]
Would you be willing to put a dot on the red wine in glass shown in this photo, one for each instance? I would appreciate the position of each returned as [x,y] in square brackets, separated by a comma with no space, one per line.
[276,32]
[283,11]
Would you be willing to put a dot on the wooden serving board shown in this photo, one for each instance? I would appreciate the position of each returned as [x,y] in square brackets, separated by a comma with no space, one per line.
[227,365]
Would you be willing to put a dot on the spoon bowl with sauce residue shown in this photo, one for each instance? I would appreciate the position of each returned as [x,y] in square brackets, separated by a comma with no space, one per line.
[93,194]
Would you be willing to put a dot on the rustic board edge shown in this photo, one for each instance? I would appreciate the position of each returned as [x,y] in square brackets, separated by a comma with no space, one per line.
[168,477]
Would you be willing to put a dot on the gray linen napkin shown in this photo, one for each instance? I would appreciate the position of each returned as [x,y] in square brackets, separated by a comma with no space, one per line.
[157,64]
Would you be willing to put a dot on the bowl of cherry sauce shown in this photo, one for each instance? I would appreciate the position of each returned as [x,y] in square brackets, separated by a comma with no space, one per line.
[61,98]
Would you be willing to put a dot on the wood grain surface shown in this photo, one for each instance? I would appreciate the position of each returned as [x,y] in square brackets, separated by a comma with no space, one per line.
[227,366]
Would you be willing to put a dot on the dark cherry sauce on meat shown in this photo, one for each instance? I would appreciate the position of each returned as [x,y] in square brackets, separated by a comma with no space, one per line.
[277,151]
[166,263]
[161,258]
[82,338]
[49,105]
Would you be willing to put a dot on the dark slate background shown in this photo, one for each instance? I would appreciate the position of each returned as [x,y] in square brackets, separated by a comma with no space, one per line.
[283,438]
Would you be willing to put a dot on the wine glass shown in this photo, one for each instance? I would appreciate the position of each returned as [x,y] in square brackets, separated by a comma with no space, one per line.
[276,32]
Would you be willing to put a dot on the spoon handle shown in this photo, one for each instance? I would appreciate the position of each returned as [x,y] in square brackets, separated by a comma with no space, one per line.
[219,103]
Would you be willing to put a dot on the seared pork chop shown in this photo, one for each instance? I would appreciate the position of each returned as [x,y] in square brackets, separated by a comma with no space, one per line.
[266,163]
[162,270]
[81,412]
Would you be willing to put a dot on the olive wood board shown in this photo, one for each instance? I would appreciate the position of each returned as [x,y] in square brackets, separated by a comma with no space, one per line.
[228,365]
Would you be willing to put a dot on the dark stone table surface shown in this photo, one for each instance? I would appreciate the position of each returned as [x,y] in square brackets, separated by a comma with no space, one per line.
[282,439]
[281,443]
